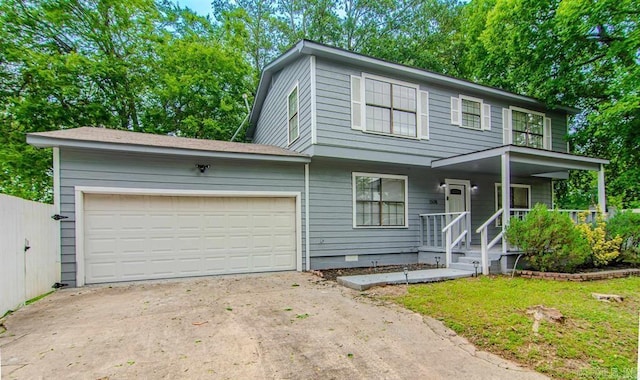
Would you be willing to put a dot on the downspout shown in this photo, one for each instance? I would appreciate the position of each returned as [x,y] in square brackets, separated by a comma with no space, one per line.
[306,218]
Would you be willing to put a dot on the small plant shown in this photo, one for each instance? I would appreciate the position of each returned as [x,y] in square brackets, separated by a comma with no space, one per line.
[626,225]
[549,240]
[603,250]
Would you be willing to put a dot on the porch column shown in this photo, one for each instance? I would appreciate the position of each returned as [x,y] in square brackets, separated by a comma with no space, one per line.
[506,195]
[602,199]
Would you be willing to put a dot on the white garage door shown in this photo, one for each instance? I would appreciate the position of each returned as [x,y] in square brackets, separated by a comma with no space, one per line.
[136,237]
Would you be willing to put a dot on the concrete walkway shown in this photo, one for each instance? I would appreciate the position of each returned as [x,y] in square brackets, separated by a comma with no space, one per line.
[366,281]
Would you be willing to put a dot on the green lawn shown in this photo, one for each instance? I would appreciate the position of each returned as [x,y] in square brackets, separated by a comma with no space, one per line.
[599,340]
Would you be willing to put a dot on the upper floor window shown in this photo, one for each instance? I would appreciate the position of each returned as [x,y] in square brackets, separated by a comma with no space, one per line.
[379,200]
[391,108]
[293,107]
[470,113]
[526,128]
[388,106]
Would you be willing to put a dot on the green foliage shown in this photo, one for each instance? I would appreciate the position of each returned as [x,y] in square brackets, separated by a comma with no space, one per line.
[627,226]
[603,249]
[580,53]
[136,65]
[549,240]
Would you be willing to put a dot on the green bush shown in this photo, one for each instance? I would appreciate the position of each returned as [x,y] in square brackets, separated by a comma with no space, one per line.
[627,225]
[549,240]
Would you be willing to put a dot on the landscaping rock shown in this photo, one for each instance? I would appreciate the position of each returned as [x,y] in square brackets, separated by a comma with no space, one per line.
[607,297]
[540,313]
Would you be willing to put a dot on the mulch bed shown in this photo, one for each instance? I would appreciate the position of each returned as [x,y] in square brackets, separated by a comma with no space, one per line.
[332,274]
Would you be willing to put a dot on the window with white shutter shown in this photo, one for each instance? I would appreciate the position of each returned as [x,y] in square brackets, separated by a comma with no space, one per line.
[389,107]
[472,113]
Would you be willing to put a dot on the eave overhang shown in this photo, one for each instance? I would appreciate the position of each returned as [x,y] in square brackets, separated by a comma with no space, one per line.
[525,161]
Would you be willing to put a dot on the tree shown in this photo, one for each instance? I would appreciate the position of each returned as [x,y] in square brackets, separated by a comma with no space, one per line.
[581,53]
[133,65]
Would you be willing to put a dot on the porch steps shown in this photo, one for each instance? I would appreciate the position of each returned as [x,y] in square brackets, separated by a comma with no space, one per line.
[466,262]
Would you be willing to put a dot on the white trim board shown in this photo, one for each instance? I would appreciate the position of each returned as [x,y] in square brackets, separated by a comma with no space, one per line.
[378,175]
[80,191]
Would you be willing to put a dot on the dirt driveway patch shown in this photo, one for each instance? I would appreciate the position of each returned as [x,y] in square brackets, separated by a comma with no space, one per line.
[274,326]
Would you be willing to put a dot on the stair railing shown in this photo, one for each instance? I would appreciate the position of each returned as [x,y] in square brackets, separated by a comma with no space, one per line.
[485,245]
[455,231]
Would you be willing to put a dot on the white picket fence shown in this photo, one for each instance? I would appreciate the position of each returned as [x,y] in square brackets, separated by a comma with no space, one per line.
[26,273]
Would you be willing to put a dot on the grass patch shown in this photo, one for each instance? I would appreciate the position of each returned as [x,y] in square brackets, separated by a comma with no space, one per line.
[599,340]
[38,298]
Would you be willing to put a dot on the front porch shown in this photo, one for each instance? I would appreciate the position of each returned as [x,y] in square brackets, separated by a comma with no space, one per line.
[448,237]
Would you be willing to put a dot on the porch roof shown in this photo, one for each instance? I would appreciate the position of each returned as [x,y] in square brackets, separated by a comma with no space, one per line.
[525,161]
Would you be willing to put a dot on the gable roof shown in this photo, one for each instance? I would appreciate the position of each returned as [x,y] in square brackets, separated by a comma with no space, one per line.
[307,47]
[113,139]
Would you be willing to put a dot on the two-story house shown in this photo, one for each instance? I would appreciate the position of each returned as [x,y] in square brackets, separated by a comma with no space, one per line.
[354,161]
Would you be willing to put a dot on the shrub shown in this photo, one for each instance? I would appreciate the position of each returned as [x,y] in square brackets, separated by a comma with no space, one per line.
[604,250]
[549,240]
[627,226]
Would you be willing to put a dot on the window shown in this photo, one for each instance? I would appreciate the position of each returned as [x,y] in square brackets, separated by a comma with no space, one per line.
[380,200]
[520,198]
[527,129]
[470,113]
[292,115]
[390,107]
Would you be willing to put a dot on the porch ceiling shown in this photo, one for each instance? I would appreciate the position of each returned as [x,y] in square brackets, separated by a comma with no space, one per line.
[524,162]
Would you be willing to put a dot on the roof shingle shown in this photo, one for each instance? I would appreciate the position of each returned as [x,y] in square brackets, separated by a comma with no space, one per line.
[114,136]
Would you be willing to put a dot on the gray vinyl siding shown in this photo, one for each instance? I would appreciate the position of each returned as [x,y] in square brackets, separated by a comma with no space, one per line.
[445,140]
[109,169]
[332,235]
[272,126]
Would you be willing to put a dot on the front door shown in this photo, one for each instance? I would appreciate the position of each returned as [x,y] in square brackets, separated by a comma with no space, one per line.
[457,200]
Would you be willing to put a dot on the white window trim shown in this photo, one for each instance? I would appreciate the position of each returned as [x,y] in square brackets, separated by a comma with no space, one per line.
[483,126]
[378,175]
[521,185]
[363,106]
[544,127]
[294,88]
[477,100]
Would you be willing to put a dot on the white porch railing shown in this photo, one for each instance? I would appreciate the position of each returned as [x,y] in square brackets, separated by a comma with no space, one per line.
[486,245]
[444,231]
[520,213]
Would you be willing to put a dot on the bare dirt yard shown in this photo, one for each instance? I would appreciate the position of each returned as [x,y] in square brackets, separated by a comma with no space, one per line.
[271,326]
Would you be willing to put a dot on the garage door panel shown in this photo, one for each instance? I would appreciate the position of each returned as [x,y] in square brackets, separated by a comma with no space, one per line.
[133,237]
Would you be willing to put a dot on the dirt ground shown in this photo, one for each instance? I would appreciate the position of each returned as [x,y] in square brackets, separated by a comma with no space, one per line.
[273,326]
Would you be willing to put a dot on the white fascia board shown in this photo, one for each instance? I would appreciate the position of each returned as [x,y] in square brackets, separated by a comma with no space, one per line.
[265,79]
[556,155]
[526,155]
[46,142]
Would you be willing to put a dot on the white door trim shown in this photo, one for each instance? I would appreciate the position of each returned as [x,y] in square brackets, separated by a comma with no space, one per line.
[80,191]
[466,183]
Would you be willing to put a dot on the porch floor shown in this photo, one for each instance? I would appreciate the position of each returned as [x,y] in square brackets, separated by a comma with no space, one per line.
[363,282]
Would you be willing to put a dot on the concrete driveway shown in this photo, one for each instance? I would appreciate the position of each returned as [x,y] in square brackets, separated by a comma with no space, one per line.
[275,326]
